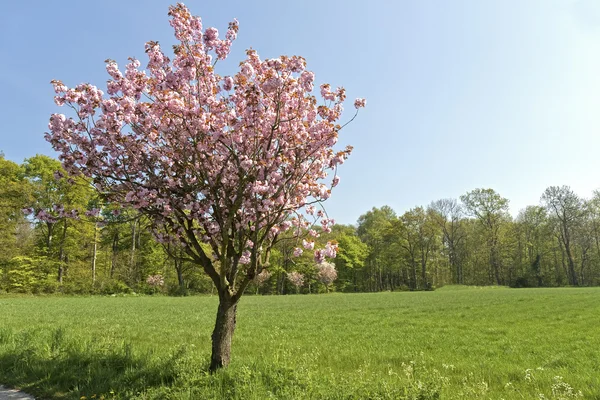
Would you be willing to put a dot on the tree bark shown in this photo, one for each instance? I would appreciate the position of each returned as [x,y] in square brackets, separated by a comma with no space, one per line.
[180,280]
[223,333]
[61,255]
[115,248]
[132,254]
[94,253]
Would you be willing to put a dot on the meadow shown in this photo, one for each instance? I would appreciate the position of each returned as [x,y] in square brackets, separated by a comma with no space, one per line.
[453,343]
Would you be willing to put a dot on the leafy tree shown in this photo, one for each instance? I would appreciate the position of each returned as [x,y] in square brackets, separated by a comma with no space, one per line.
[56,202]
[15,194]
[326,274]
[448,214]
[226,161]
[375,229]
[533,223]
[566,209]
[491,211]
[351,257]
[418,237]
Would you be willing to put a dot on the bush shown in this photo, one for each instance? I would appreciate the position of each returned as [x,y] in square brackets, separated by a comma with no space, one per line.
[111,286]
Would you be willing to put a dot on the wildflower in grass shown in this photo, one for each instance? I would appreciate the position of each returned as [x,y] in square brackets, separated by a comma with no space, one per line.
[529,375]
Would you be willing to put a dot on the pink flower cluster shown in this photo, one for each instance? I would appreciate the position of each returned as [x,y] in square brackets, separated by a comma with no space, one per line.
[51,215]
[225,159]
[330,251]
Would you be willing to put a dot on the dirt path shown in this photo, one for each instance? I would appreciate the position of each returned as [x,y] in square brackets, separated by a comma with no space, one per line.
[11,394]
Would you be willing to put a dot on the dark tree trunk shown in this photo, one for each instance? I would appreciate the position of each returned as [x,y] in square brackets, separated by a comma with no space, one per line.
[94,253]
[180,279]
[61,255]
[115,248]
[413,275]
[223,333]
[571,263]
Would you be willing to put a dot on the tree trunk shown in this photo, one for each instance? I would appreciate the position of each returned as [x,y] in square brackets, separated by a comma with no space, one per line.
[223,332]
[115,248]
[180,280]
[132,253]
[413,275]
[95,253]
[61,255]
[571,263]
[424,273]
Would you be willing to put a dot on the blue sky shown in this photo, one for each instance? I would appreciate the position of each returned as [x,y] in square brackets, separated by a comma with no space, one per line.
[461,94]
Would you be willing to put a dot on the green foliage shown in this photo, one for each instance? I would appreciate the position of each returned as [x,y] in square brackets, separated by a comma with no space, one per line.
[473,241]
[15,193]
[30,275]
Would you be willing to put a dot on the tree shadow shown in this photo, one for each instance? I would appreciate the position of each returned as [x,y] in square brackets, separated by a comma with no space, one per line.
[63,369]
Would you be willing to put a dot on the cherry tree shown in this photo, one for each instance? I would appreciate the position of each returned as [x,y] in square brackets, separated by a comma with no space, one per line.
[261,278]
[326,273]
[296,279]
[221,165]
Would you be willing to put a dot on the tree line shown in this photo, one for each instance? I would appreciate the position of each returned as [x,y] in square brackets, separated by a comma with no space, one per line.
[58,236]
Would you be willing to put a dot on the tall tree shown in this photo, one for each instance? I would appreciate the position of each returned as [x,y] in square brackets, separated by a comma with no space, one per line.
[491,210]
[567,209]
[375,229]
[533,223]
[15,193]
[351,257]
[448,214]
[226,161]
[56,202]
[419,237]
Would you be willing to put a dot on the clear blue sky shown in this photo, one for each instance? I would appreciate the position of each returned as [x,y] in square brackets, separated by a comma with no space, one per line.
[461,94]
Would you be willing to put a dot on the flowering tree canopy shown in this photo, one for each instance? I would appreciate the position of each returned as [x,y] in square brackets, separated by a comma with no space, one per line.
[261,278]
[296,278]
[326,273]
[225,163]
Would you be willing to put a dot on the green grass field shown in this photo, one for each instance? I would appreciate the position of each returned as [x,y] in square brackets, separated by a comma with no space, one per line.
[454,343]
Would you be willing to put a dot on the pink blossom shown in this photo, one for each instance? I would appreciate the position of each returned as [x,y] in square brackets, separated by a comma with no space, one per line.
[94,212]
[336,180]
[247,69]
[285,225]
[228,162]
[330,250]
[359,103]
[326,92]
[298,252]
[245,258]
[228,83]
[319,256]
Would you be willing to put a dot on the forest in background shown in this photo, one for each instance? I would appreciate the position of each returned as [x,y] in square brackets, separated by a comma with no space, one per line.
[57,236]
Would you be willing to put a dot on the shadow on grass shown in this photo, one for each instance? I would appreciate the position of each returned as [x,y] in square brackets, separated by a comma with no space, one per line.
[55,367]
